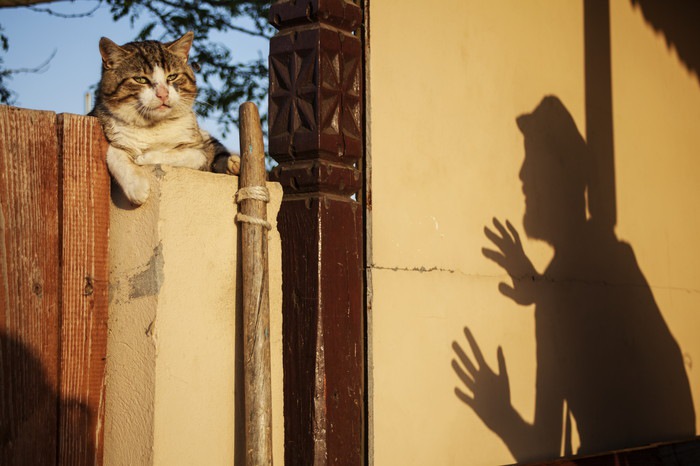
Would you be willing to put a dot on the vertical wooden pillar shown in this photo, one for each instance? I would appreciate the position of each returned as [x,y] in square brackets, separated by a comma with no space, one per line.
[315,111]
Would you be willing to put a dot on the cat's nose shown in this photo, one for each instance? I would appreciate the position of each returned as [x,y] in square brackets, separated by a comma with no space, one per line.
[162,92]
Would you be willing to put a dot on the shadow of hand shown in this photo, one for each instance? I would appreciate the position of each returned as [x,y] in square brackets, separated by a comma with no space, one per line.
[490,392]
[511,257]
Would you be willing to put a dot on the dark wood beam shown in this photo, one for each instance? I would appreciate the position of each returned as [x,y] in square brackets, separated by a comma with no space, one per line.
[316,136]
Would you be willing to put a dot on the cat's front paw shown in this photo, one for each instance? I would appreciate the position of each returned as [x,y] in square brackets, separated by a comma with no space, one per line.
[150,158]
[137,190]
[233,165]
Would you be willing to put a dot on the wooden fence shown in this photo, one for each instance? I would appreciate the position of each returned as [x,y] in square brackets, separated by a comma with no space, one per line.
[54,219]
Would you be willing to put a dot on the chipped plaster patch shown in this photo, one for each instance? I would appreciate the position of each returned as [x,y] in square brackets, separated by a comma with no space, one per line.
[149,281]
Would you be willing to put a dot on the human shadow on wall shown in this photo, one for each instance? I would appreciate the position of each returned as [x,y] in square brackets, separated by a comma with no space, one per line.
[605,355]
[29,411]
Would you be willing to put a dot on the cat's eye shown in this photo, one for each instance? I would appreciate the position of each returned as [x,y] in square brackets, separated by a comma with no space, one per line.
[172,77]
[140,80]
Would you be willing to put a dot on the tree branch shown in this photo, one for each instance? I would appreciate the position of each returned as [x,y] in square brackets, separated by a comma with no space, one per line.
[14,3]
[63,15]
[38,69]
[228,24]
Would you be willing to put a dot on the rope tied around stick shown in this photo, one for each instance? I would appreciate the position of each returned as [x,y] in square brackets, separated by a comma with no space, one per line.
[259,193]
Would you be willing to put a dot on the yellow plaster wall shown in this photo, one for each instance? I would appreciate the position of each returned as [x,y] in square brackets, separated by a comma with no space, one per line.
[174,375]
[657,136]
[446,82]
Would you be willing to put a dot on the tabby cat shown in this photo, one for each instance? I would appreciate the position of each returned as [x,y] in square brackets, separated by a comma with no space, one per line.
[144,103]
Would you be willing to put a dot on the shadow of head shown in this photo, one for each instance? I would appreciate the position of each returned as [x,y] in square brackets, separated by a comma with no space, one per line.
[553,173]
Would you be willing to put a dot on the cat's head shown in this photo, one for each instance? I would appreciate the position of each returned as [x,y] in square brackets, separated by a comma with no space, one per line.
[146,82]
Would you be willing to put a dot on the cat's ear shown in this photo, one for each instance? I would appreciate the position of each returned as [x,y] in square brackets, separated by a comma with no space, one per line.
[111,53]
[181,47]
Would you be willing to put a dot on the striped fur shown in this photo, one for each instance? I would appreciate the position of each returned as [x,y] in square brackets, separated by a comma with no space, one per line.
[144,103]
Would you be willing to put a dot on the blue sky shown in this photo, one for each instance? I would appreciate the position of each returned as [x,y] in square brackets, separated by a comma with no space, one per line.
[75,68]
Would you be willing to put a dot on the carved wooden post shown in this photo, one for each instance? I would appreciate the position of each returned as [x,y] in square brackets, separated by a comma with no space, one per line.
[315,110]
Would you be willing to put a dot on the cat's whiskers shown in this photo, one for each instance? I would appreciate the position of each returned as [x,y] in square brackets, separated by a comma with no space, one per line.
[187,98]
[204,103]
[142,110]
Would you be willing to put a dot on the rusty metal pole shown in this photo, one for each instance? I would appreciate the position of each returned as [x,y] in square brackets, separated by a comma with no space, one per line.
[252,198]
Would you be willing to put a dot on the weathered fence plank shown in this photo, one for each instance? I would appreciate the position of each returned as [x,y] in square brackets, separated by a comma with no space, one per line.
[84,271]
[316,135]
[54,207]
[29,286]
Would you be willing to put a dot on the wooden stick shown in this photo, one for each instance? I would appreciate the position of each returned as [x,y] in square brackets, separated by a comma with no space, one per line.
[256,301]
